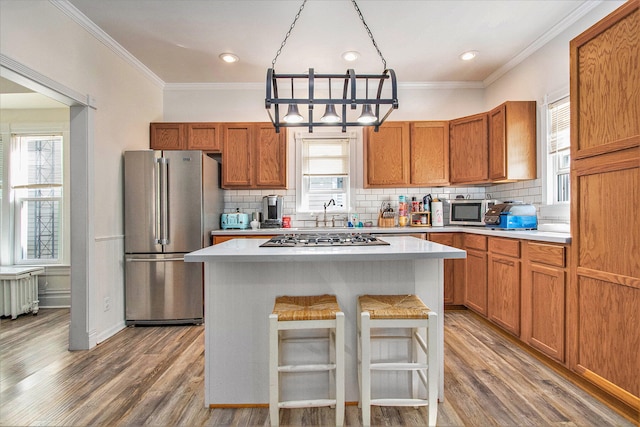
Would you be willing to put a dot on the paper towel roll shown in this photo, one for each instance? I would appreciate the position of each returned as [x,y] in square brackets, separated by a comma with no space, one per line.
[437,219]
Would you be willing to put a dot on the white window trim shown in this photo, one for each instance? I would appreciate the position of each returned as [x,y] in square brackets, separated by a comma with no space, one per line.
[10,247]
[549,209]
[319,134]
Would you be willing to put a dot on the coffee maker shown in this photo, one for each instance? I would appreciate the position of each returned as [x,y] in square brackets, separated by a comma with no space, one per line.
[272,211]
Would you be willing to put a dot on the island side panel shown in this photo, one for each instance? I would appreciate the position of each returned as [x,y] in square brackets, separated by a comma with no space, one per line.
[239,296]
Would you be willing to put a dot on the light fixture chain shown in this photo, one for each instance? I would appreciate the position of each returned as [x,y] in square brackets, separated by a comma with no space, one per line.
[384,61]
[293,24]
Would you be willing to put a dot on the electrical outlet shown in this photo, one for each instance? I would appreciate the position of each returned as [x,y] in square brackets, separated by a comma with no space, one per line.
[107,303]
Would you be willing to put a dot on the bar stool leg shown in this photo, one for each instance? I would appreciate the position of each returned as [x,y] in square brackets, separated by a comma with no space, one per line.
[274,383]
[432,373]
[365,368]
[339,374]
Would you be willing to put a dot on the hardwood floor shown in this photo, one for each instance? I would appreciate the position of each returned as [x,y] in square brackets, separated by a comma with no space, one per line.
[154,376]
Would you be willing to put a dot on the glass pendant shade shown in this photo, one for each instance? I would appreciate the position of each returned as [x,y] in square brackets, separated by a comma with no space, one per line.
[367,115]
[330,115]
[293,115]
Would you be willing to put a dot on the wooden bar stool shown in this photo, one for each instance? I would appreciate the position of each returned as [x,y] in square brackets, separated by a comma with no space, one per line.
[384,313]
[307,312]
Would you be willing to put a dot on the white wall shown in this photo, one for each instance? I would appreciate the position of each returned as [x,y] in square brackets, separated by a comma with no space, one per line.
[40,36]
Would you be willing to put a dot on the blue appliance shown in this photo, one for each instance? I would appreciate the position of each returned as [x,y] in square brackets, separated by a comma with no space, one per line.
[512,216]
[235,221]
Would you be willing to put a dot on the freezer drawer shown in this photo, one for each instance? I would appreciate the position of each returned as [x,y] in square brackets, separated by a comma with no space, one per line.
[162,289]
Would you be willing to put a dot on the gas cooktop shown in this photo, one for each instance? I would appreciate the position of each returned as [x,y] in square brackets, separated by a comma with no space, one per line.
[323,239]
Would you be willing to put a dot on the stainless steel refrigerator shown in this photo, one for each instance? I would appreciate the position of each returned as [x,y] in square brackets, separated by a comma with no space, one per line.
[172,202]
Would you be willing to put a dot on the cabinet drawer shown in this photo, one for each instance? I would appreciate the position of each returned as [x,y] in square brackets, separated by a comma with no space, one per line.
[547,254]
[510,247]
[474,241]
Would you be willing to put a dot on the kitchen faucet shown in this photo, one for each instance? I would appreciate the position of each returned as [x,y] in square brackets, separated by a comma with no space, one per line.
[326,205]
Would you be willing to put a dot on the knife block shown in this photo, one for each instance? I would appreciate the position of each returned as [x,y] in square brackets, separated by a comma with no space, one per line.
[386,222]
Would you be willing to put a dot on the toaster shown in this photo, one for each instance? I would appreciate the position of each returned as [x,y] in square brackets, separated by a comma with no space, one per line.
[512,216]
[234,220]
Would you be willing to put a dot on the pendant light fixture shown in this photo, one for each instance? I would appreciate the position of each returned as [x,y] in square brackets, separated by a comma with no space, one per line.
[367,115]
[330,115]
[370,107]
[293,115]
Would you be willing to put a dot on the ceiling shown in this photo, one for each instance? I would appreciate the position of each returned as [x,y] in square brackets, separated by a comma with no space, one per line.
[180,40]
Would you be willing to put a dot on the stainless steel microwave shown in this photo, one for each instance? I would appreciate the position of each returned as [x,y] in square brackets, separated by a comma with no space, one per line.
[469,212]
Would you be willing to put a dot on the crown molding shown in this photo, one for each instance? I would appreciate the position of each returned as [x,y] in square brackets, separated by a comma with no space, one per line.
[168,87]
[81,19]
[561,26]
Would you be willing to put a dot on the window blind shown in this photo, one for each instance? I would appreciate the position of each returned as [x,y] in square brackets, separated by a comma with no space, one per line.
[559,126]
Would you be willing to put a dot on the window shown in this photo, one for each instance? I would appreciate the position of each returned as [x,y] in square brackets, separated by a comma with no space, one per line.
[37,178]
[324,173]
[558,154]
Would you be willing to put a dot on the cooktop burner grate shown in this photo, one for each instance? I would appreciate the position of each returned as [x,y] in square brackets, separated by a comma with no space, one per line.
[323,240]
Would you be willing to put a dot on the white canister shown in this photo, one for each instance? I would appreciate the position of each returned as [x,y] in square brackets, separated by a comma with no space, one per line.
[437,216]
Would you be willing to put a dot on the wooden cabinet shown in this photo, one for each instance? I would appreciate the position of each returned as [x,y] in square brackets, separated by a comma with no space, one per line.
[254,156]
[407,154]
[604,293]
[386,155]
[167,136]
[475,295]
[503,287]
[429,154]
[544,287]
[469,149]
[185,136]
[204,136]
[453,268]
[512,141]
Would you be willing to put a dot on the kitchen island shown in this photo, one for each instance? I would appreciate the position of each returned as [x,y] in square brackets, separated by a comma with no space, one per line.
[242,280]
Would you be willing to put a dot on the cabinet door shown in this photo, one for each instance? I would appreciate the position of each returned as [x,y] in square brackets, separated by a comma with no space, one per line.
[270,156]
[204,136]
[236,155]
[468,148]
[386,155]
[475,296]
[167,136]
[504,292]
[512,141]
[429,161]
[546,312]
[453,269]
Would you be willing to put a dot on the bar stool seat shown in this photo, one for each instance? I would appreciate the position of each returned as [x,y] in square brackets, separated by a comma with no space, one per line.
[382,313]
[299,313]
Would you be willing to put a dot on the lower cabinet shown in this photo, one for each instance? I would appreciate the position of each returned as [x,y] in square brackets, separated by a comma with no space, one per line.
[453,268]
[219,239]
[503,283]
[475,290]
[544,289]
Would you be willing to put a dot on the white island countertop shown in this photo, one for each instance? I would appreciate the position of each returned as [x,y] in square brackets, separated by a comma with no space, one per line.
[249,250]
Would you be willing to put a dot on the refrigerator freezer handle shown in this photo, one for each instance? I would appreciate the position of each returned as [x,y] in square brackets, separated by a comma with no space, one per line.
[162,203]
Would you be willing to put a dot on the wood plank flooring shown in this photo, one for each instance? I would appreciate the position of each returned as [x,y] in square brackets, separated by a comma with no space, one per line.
[154,376]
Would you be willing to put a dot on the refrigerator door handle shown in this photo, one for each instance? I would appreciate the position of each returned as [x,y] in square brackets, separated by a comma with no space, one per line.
[154,259]
[162,202]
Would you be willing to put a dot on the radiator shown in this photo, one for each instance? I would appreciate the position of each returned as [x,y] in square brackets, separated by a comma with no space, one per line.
[19,290]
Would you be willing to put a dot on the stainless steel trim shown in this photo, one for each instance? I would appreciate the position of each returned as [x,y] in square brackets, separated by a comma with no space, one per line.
[157,207]
[154,259]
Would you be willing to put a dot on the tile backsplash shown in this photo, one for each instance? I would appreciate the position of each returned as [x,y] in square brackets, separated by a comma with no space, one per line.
[368,201]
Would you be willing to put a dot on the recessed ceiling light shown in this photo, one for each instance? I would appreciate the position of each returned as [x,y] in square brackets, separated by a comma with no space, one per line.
[468,56]
[228,57]
[350,56]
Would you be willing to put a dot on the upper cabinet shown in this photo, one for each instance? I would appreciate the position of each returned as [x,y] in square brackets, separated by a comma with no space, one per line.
[407,154]
[512,141]
[253,156]
[185,136]
[469,149]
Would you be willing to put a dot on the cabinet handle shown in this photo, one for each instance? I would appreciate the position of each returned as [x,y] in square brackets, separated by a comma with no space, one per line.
[504,261]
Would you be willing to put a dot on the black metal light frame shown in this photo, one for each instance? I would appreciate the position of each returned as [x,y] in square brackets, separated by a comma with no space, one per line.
[349,98]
